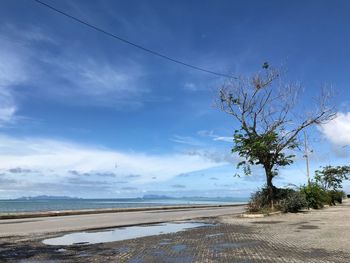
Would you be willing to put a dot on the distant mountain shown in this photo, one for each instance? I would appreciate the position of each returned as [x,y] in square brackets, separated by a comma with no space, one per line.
[156,197]
[45,197]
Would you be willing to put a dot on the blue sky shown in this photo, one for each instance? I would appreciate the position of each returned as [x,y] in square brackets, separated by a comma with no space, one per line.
[85,115]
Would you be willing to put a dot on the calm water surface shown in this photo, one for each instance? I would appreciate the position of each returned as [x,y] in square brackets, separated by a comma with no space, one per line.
[121,233]
[7,206]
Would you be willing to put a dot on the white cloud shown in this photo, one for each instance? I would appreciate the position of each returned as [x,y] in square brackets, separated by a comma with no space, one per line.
[27,33]
[338,130]
[223,139]
[7,107]
[73,77]
[12,73]
[53,160]
[190,87]
[98,83]
[216,156]
[186,140]
[215,137]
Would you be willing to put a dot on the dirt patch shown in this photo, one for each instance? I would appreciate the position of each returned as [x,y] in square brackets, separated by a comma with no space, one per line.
[308,227]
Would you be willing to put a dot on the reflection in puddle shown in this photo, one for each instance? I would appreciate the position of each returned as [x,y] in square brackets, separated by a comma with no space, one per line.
[135,260]
[123,249]
[178,248]
[36,261]
[164,243]
[119,234]
[215,235]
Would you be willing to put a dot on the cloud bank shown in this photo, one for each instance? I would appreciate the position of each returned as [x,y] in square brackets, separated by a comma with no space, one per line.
[36,160]
[337,131]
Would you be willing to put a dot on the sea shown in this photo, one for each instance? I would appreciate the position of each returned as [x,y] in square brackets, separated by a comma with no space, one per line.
[33,205]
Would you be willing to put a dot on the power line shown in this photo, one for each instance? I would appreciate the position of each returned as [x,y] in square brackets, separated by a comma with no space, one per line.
[132,43]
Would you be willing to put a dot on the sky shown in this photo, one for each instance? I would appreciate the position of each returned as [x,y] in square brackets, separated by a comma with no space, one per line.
[85,115]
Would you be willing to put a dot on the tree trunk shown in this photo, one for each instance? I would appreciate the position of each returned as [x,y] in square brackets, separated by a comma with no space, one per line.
[269,176]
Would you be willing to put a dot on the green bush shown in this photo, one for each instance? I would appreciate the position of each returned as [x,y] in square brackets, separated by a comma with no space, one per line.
[259,201]
[286,200]
[293,202]
[315,196]
[335,196]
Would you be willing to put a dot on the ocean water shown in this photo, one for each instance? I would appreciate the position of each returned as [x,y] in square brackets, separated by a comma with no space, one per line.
[10,206]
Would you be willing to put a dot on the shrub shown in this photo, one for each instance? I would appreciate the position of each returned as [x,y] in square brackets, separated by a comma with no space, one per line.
[286,200]
[293,202]
[315,196]
[259,201]
[335,196]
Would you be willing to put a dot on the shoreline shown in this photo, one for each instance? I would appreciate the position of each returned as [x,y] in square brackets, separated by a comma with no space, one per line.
[23,215]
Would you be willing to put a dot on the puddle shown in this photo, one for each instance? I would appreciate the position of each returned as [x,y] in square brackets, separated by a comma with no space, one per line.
[178,248]
[123,250]
[135,260]
[84,254]
[215,235]
[36,261]
[164,243]
[119,234]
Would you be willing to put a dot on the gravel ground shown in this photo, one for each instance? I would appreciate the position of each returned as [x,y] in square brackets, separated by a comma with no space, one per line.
[315,236]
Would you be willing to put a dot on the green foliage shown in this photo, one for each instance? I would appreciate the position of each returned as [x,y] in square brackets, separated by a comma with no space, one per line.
[286,200]
[258,202]
[293,202]
[331,177]
[335,197]
[262,107]
[325,188]
[261,149]
[315,195]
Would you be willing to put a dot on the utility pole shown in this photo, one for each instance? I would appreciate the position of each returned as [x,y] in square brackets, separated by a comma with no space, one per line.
[306,155]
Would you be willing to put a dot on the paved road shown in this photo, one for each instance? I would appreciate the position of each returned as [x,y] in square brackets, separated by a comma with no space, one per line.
[13,227]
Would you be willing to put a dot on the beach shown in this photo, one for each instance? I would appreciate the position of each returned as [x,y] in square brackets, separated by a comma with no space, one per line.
[309,236]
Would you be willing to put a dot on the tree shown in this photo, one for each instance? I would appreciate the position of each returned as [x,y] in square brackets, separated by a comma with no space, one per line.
[331,177]
[264,108]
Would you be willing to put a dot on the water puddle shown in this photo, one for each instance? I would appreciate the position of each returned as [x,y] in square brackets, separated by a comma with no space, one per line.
[119,234]
[36,261]
[165,241]
[178,248]
[215,235]
[122,250]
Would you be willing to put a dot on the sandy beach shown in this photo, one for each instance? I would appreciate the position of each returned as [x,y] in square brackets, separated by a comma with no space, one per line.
[311,236]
